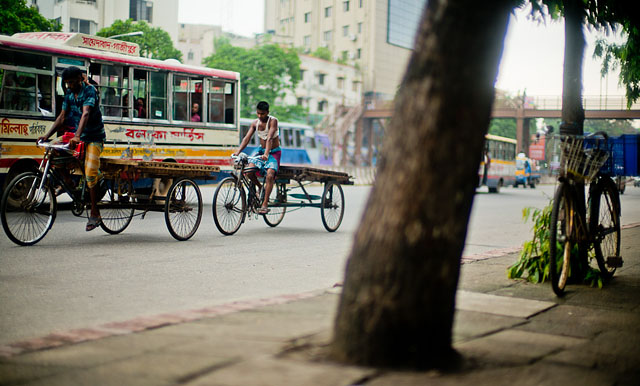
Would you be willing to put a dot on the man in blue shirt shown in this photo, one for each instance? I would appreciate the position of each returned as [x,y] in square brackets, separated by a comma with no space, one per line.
[81,114]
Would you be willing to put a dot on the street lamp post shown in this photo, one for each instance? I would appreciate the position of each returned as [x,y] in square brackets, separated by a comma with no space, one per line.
[135,33]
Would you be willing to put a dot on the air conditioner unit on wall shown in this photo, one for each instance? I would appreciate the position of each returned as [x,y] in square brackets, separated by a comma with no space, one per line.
[353,37]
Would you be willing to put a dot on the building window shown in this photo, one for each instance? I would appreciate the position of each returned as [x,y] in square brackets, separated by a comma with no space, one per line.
[359,28]
[403,20]
[345,55]
[190,55]
[327,36]
[341,81]
[345,6]
[302,74]
[321,106]
[354,86]
[307,41]
[82,26]
[345,30]
[358,53]
[327,12]
[141,10]
[321,79]
[307,17]
[361,3]
[300,101]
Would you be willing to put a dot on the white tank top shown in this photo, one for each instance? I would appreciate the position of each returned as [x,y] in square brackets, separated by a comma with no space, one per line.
[262,134]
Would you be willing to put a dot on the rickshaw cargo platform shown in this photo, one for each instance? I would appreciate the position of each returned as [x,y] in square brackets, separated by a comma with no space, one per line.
[154,169]
[308,174]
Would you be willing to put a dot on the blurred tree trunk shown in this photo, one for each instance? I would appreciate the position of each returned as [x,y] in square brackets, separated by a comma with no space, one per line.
[398,300]
[574,43]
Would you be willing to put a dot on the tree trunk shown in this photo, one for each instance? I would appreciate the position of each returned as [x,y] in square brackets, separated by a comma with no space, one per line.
[398,300]
[572,110]
[574,43]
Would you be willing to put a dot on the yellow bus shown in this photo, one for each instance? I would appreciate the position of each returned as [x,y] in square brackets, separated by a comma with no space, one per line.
[153,110]
[498,165]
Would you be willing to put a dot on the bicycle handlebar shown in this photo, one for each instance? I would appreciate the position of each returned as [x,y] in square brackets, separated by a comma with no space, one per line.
[54,145]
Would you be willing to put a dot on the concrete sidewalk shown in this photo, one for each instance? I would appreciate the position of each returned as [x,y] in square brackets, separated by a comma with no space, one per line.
[507,331]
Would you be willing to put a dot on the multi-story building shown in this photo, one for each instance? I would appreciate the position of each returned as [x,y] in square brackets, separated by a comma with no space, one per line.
[374,35]
[89,16]
[195,41]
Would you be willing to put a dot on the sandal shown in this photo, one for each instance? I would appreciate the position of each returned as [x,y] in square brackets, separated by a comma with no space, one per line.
[263,210]
[93,223]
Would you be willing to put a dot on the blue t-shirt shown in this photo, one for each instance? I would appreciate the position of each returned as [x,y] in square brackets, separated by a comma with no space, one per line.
[72,105]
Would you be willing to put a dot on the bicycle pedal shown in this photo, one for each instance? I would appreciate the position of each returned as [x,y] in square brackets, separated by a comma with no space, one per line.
[614,261]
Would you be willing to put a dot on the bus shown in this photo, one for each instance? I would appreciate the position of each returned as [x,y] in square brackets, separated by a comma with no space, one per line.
[498,164]
[153,110]
[300,144]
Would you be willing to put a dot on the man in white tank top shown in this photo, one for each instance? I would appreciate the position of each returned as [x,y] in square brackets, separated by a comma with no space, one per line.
[267,128]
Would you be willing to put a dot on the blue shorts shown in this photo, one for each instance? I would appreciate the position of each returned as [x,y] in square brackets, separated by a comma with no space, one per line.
[273,162]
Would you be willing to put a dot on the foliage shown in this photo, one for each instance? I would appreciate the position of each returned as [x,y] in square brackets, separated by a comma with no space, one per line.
[534,258]
[608,16]
[266,72]
[626,57]
[322,53]
[16,16]
[504,127]
[154,42]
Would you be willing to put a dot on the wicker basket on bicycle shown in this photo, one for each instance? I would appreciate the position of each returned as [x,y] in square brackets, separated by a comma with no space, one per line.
[579,163]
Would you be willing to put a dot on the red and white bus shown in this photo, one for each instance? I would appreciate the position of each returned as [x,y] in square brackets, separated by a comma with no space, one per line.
[498,165]
[146,103]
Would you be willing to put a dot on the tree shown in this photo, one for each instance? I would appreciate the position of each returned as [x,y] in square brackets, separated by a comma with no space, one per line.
[16,16]
[154,42]
[398,300]
[266,71]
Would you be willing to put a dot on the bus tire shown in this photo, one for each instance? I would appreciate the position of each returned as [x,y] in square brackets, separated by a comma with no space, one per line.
[494,189]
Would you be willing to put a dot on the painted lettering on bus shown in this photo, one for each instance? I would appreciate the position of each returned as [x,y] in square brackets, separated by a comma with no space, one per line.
[6,127]
[162,135]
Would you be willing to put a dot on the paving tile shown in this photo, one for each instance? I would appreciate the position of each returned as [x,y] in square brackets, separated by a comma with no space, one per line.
[469,324]
[534,375]
[269,372]
[500,305]
[515,347]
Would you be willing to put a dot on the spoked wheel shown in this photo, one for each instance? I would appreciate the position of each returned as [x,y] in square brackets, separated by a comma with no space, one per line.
[560,243]
[116,206]
[183,209]
[229,206]
[332,206]
[276,213]
[604,223]
[27,211]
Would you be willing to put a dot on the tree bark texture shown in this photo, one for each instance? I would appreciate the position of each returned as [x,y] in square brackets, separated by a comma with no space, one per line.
[397,304]
[574,43]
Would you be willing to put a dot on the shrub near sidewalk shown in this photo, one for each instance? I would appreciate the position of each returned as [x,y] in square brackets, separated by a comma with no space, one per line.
[534,257]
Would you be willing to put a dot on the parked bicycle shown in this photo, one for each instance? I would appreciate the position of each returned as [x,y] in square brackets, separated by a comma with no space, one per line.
[595,228]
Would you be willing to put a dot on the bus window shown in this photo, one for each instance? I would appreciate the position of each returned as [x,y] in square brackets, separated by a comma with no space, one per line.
[195,96]
[139,92]
[23,59]
[114,89]
[180,98]
[298,139]
[216,101]
[229,103]
[157,95]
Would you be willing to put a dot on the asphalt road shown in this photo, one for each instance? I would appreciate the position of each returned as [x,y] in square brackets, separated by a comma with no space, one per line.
[73,279]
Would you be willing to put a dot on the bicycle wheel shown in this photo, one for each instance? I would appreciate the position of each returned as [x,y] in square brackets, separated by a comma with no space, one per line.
[27,211]
[276,213]
[115,208]
[229,206]
[604,224]
[560,243]
[332,206]
[183,209]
